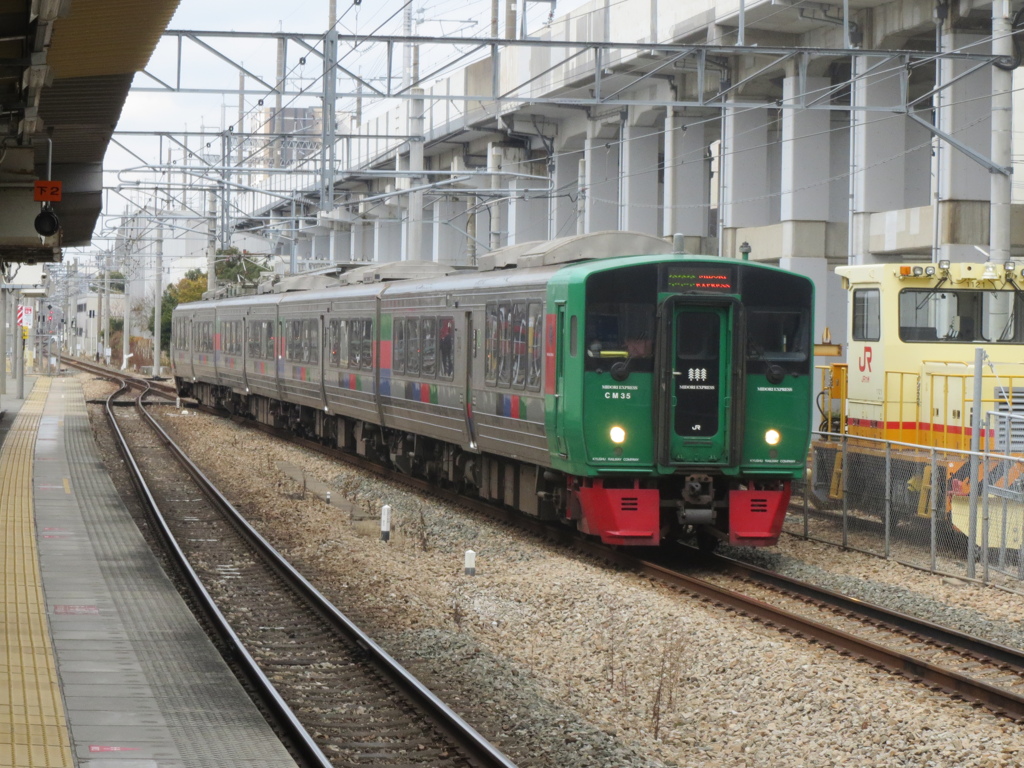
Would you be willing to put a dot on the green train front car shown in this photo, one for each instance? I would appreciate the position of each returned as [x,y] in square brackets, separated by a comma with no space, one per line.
[694,395]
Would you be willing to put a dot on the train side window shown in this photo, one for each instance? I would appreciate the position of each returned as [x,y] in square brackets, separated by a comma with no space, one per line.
[574,336]
[366,358]
[446,347]
[867,317]
[491,345]
[293,340]
[355,342]
[535,346]
[412,346]
[332,342]
[428,341]
[311,341]
[343,341]
[504,345]
[398,345]
[520,337]
[253,345]
[265,338]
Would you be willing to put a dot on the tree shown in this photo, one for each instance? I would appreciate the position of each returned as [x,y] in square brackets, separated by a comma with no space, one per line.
[235,266]
[190,288]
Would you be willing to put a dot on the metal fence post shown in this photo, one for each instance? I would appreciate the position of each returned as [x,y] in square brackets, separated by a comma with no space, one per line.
[984,516]
[807,493]
[846,508]
[932,494]
[888,500]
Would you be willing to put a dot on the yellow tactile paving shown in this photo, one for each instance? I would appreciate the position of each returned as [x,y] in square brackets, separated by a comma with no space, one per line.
[33,728]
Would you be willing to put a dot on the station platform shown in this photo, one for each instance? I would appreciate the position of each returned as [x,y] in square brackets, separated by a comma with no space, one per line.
[101,663]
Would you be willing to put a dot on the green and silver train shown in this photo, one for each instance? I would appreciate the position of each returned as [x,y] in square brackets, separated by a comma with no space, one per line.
[600,379]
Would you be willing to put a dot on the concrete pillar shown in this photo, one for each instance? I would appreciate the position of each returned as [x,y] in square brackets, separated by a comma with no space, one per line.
[746,187]
[562,203]
[879,140]
[686,199]
[805,154]
[965,114]
[387,241]
[639,207]
[601,154]
[448,232]
[527,219]
[357,248]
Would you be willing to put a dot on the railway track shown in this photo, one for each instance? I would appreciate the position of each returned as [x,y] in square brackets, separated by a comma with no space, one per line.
[969,668]
[338,697]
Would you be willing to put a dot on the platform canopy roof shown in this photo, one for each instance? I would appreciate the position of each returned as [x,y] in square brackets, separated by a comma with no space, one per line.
[65,70]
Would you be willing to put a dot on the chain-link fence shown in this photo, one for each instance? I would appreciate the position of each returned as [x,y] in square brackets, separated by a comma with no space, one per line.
[954,512]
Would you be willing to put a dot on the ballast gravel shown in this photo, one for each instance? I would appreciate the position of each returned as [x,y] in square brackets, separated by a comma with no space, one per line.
[564,662]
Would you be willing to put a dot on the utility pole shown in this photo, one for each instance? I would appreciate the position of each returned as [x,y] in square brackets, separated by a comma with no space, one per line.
[328,115]
[126,332]
[158,303]
[106,311]
[1002,115]
[100,338]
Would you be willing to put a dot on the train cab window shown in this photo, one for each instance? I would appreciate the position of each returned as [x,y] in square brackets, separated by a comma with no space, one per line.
[777,335]
[398,345]
[520,339]
[428,342]
[491,345]
[867,315]
[412,347]
[961,316]
[535,346]
[446,347]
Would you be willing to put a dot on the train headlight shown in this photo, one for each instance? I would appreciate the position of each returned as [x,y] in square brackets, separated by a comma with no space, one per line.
[618,435]
[772,437]
[929,271]
[918,271]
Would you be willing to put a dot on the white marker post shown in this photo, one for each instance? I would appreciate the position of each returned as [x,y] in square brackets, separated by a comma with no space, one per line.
[470,562]
[328,498]
[385,523]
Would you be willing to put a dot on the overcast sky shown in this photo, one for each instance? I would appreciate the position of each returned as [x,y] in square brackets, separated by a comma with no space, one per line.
[147,112]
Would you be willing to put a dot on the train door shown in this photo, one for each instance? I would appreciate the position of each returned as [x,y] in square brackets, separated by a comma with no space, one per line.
[469,346]
[325,355]
[697,426]
[559,360]
[190,341]
[245,350]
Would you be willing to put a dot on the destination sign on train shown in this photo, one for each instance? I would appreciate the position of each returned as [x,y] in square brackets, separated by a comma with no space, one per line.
[685,278]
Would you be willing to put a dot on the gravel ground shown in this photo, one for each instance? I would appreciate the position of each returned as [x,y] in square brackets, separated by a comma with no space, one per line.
[564,662]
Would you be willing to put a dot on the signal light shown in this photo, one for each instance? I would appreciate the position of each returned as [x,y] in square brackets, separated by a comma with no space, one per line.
[904,271]
[929,271]
[918,271]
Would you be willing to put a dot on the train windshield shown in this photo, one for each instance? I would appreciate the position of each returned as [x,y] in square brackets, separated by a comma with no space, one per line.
[961,316]
[620,319]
